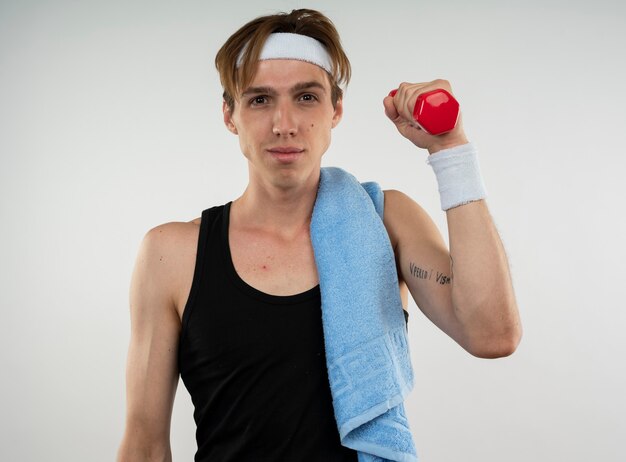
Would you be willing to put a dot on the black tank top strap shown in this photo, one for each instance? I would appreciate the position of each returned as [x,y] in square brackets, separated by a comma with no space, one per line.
[207,219]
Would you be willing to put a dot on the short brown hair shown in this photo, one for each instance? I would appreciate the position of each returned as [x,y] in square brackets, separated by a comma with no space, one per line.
[305,22]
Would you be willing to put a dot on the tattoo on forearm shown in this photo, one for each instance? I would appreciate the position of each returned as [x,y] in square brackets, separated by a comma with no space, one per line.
[421,273]
[443,279]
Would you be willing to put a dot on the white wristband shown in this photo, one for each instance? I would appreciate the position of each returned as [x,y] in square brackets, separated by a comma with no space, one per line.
[458,175]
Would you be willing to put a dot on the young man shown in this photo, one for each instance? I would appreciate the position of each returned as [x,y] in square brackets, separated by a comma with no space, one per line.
[231,301]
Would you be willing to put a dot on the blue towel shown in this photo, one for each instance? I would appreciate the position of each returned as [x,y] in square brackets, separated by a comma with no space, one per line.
[367,354]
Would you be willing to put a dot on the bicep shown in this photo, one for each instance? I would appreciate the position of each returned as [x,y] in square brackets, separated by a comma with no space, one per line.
[423,260]
[152,371]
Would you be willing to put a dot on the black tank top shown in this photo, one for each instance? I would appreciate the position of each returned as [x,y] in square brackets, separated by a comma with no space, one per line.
[254,364]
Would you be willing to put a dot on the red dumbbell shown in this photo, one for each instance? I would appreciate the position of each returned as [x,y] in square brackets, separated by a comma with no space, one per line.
[436,111]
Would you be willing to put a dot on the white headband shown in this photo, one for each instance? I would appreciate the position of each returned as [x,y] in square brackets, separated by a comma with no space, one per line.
[285,45]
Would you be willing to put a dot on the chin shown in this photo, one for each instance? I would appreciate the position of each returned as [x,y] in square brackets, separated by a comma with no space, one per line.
[289,178]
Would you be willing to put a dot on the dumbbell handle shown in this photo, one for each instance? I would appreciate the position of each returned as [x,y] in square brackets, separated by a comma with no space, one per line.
[436,111]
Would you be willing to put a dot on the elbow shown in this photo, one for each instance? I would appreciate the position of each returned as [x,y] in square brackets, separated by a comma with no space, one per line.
[492,327]
[497,342]
[495,348]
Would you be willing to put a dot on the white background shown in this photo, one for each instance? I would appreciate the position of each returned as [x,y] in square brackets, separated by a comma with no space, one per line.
[110,124]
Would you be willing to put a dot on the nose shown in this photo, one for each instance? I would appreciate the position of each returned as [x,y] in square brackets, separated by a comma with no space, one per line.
[284,123]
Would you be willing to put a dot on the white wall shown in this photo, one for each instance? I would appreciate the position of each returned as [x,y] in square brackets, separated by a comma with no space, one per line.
[110,124]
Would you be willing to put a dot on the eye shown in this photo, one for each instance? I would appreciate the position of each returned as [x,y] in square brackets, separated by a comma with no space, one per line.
[308,97]
[258,100]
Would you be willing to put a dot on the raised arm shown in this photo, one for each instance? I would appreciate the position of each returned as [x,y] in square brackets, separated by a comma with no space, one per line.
[152,371]
[466,290]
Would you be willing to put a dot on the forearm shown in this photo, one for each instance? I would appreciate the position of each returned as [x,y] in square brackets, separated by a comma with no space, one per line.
[482,292]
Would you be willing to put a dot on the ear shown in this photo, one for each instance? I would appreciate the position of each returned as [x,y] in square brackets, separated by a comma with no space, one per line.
[228,119]
[338,113]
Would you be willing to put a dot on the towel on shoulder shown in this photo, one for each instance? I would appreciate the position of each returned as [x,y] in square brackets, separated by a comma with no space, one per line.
[367,354]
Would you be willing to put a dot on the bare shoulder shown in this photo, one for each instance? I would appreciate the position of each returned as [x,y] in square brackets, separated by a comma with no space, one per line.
[170,235]
[165,243]
[167,257]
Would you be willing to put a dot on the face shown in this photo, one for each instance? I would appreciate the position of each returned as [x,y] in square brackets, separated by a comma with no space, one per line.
[284,120]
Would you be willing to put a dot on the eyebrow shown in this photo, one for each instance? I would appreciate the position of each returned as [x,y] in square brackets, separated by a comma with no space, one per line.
[307,85]
[296,88]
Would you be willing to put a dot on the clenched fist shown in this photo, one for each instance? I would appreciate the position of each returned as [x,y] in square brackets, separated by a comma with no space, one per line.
[399,106]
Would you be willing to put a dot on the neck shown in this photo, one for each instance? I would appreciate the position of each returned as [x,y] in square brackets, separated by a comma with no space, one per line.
[283,210]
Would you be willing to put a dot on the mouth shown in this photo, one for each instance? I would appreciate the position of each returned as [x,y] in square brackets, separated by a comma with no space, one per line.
[285,154]
[285,150]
